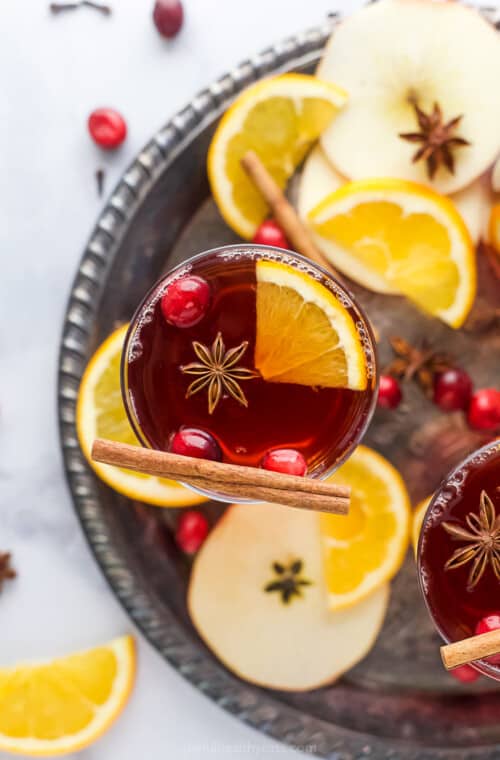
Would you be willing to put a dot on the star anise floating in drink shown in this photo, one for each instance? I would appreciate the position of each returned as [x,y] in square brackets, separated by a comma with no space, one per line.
[218,371]
[7,572]
[482,537]
[417,363]
[437,139]
[288,580]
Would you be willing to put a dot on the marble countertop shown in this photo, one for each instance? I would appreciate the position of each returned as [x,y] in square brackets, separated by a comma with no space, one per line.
[54,71]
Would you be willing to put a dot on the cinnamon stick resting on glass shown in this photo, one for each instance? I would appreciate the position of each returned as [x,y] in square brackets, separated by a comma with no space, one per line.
[234,481]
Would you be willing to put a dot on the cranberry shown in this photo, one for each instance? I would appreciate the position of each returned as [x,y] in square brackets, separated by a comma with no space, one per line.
[490,622]
[270,233]
[484,409]
[192,530]
[389,392]
[452,390]
[185,302]
[168,16]
[107,128]
[192,442]
[465,674]
[289,461]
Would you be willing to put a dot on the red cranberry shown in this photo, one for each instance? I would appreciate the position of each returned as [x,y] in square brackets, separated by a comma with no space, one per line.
[185,302]
[288,461]
[465,674]
[484,409]
[452,390]
[107,128]
[192,442]
[270,233]
[192,530]
[168,16]
[490,622]
[389,392]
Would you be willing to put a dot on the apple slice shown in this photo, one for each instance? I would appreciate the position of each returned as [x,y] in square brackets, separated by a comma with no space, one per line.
[495,177]
[317,180]
[261,633]
[394,53]
[474,205]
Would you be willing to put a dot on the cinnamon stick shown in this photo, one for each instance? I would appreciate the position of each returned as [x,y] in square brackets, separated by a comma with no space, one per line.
[234,480]
[284,213]
[471,649]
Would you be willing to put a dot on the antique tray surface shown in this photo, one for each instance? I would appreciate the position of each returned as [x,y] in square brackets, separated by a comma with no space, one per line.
[398,702]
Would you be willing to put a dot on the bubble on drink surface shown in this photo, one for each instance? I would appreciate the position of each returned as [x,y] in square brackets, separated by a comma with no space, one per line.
[424,578]
[367,345]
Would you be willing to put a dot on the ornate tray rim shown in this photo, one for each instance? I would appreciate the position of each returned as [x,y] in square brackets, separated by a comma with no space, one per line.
[261,711]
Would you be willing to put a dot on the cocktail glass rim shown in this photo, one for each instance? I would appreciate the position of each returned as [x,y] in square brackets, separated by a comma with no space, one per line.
[488,449]
[259,252]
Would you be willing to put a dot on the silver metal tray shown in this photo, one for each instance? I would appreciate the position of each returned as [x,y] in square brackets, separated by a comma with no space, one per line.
[398,703]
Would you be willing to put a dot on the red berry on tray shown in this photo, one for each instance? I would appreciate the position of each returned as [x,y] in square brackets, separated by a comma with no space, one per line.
[107,128]
[489,623]
[389,392]
[465,674]
[192,530]
[186,301]
[452,390]
[289,461]
[270,233]
[192,442]
[168,16]
[484,409]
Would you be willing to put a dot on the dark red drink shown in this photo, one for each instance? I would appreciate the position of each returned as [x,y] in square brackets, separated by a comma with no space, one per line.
[459,550]
[322,423]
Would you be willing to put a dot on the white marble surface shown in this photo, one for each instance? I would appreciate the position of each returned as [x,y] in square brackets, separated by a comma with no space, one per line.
[53,72]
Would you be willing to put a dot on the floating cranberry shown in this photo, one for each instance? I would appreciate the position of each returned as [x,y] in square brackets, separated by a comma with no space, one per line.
[484,409]
[489,623]
[465,674]
[452,390]
[389,392]
[192,442]
[186,301]
[107,128]
[270,233]
[168,16]
[192,530]
[288,461]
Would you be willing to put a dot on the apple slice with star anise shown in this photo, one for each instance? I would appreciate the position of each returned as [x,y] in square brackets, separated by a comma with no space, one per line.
[424,102]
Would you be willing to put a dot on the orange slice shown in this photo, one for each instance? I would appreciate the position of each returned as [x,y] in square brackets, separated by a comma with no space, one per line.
[57,707]
[304,334]
[100,414]
[279,118]
[404,236]
[363,550]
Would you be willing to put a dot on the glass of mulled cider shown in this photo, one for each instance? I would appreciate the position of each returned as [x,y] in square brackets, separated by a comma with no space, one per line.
[252,356]
[459,552]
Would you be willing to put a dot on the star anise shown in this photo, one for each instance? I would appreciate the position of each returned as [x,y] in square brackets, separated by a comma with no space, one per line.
[483,542]
[438,140]
[288,582]
[7,572]
[419,364]
[218,371]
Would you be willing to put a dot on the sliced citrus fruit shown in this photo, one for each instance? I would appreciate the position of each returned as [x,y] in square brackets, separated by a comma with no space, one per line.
[100,414]
[364,550]
[417,520]
[279,118]
[494,227]
[60,706]
[304,334]
[405,235]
